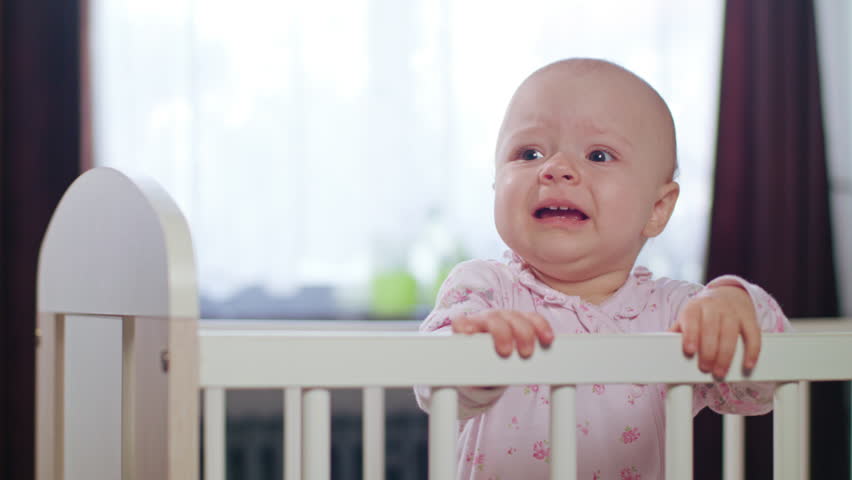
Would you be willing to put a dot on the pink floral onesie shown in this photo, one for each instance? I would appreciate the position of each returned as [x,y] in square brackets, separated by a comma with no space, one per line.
[504,432]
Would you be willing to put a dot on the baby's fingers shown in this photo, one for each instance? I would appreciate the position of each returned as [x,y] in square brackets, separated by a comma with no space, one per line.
[501,331]
[542,327]
[469,324]
[752,339]
[494,322]
[689,322]
[508,329]
[708,348]
[728,334]
[524,333]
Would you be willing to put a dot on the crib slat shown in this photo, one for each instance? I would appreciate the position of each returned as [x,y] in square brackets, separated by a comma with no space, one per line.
[50,396]
[443,430]
[374,433]
[785,452]
[292,433]
[733,447]
[805,429]
[214,434]
[563,432]
[128,397]
[316,430]
[679,431]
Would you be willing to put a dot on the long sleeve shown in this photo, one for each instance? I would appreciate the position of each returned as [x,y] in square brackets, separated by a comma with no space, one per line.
[747,398]
[471,287]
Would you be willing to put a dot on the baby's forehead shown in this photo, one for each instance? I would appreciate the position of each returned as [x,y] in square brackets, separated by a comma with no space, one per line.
[587,81]
[598,80]
[589,106]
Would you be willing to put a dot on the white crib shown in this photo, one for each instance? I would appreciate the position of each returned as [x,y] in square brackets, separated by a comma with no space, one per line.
[122,359]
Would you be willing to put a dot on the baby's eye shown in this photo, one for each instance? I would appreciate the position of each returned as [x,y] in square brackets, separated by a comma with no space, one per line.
[530,154]
[600,156]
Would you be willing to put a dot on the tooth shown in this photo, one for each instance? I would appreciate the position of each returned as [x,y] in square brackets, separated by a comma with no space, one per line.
[553,208]
[564,208]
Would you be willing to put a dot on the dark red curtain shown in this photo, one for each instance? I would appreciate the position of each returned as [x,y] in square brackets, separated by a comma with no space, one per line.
[39,157]
[771,219]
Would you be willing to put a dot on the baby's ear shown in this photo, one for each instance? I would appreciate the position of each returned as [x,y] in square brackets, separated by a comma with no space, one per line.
[662,210]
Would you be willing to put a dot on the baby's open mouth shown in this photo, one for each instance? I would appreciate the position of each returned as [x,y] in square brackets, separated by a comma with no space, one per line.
[563,212]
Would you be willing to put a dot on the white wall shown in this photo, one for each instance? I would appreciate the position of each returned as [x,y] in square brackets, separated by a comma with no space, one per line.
[834,36]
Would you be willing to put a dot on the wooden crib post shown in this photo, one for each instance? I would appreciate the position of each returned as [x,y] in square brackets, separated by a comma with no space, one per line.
[117,261]
[374,433]
[128,399]
[563,433]
[316,434]
[733,447]
[786,450]
[805,429]
[679,432]
[214,433]
[292,433]
[443,429]
[50,372]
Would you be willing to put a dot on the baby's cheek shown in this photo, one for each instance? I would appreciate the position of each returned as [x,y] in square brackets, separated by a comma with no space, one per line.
[506,227]
[629,217]
[629,200]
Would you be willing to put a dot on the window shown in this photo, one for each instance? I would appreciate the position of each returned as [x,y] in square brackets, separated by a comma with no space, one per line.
[314,146]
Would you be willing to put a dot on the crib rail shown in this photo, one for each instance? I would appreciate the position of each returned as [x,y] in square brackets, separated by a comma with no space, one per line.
[258,359]
[276,359]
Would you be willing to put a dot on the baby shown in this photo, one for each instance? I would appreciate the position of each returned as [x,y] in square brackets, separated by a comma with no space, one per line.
[584,176]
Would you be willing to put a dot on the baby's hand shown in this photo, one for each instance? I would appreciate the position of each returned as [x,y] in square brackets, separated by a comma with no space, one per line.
[711,323]
[509,328]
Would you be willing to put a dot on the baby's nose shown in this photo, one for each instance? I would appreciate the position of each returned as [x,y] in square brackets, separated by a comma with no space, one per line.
[559,167]
[566,176]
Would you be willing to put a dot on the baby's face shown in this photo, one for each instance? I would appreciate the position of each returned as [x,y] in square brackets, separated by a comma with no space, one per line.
[584,157]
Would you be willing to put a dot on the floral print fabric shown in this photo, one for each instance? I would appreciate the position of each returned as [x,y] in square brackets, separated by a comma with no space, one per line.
[504,432]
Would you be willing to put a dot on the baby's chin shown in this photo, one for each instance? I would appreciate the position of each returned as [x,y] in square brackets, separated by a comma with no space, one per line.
[571,265]
[559,263]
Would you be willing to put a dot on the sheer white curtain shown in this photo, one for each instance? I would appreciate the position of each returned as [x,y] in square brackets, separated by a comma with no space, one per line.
[313,143]
[834,30]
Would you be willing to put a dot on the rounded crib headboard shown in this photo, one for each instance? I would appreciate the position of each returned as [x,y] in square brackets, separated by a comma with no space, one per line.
[117,246]
[117,356]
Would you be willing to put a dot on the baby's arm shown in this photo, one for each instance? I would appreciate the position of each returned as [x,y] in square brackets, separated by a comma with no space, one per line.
[474,299]
[711,322]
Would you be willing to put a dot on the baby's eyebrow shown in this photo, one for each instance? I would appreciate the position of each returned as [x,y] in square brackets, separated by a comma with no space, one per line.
[532,127]
[599,129]
[517,133]
[589,126]
[535,124]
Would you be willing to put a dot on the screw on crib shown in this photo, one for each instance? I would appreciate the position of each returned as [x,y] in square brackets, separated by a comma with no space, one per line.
[164,360]
[37,337]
